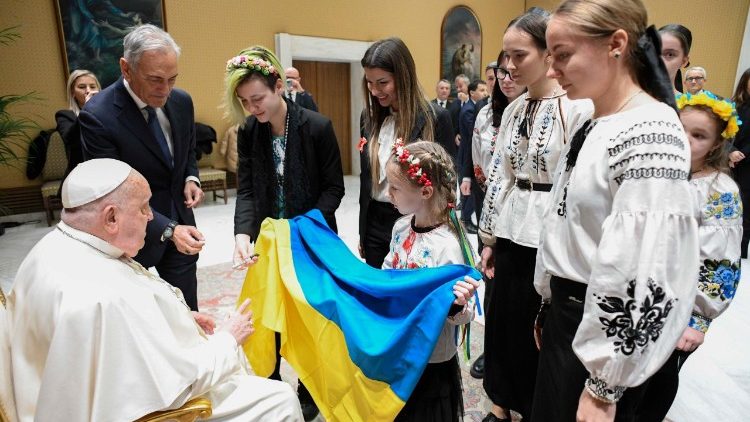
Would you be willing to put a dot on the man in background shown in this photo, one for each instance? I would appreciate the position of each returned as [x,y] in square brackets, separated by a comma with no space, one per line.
[295,92]
[477,92]
[442,92]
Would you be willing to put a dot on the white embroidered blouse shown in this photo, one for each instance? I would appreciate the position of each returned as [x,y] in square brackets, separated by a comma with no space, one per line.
[483,144]
[509,211]
[720,235]
[623,221]
[414,248]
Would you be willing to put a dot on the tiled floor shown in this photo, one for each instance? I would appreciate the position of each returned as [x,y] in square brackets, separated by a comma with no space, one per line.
[715,381]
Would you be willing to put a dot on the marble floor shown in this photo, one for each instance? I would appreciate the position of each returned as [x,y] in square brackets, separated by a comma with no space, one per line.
[714,383]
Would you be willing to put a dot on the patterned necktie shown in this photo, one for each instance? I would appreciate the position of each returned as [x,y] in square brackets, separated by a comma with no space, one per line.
[155,128]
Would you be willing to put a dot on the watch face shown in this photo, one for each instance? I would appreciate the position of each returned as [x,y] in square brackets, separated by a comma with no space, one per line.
[168,232]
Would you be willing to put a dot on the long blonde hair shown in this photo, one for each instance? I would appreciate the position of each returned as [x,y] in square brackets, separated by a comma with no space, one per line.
[392,55]
[72,103]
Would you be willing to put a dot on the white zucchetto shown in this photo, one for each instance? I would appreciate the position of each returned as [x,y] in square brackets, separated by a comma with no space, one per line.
[92,180]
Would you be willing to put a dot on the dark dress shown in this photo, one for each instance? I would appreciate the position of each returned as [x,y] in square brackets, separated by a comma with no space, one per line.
[70,131]
[313,179]
[742,171]
[376,218]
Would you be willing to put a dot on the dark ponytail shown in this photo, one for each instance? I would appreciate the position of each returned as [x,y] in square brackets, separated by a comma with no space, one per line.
[650,70]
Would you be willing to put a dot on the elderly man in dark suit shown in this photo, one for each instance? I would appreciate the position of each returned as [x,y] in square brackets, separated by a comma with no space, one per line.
[295,92]
[144,121]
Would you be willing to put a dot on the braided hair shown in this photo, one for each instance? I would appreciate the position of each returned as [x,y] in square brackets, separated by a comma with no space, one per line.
[438,165]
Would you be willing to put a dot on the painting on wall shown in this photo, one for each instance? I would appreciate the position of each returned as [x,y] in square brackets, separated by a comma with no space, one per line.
[91,32]
[460,45]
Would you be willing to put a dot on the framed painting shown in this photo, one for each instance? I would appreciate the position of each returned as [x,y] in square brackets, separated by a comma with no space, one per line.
[91,32]
[460,45]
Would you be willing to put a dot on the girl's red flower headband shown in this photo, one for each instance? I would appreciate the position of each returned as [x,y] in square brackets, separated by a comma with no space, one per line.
[415,171]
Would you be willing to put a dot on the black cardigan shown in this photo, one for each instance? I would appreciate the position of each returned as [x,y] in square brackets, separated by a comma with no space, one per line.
[443,135]
[70,131]
[313,180]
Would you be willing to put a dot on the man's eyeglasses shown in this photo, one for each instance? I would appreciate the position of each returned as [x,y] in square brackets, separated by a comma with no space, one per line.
[501,73]
[695,79]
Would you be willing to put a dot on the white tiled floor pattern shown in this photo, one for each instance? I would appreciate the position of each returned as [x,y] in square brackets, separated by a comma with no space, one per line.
[715,381]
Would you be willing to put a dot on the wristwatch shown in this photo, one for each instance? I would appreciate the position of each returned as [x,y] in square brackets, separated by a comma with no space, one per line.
[169,231]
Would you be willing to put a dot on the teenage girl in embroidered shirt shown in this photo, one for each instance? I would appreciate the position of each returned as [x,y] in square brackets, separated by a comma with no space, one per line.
[531,136]
[421,185]
[710,124]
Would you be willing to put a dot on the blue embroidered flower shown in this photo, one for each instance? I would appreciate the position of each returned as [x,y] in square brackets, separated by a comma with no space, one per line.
[725,205]
[719,279]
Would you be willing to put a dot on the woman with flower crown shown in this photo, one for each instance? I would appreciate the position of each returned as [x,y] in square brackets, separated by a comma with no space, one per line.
[288,159]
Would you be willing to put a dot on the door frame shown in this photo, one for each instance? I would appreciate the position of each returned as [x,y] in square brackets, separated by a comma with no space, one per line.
[301,47]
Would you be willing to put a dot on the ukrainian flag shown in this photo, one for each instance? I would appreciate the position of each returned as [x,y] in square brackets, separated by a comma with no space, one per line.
[358,337]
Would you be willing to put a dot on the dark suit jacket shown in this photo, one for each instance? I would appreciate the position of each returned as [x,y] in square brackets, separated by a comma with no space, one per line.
[112,126]
[321,166]
[448,103]
[305,100]
[454,109]
[443,135]
[70,131]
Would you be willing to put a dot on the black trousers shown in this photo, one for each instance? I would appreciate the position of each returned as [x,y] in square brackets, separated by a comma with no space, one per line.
[561,376]
[510,353]
[661,389]
[381,217]
[179,270]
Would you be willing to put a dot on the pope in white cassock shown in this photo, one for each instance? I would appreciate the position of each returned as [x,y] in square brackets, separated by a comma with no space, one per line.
[96,337]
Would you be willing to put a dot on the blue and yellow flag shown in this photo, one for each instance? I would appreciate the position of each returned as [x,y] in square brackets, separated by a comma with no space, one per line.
[358,337]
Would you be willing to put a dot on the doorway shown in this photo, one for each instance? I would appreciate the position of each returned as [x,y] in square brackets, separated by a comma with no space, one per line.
[328,82]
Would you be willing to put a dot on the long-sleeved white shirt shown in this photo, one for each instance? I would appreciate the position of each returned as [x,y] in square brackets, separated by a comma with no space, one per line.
[623,221]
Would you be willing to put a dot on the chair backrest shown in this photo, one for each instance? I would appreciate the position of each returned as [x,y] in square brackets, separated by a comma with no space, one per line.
[7,400]
[57,162]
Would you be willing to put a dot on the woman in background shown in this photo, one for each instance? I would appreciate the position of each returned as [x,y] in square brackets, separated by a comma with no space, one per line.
[741,148]
[676,41]
[82,85]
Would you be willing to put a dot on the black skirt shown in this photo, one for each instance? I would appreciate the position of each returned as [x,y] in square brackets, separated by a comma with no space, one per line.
[438,395]
[561,376]
[510,353]
[378,231]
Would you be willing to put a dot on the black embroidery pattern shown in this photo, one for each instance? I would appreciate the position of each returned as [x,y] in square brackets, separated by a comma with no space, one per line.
[648,156]
[650,124]
[516,159]
[562,207]
[635,335]
[647,138]
[600,388]
[652,173]
[538,161]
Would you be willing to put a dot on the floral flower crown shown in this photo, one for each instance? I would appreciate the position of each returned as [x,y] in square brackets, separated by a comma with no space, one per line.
[253,64]
[725,109]
[415,171]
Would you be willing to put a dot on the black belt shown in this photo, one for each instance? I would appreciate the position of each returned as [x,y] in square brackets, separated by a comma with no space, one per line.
[526,184]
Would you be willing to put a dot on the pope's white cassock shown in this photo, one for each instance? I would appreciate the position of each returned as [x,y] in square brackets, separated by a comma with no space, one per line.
[96,337]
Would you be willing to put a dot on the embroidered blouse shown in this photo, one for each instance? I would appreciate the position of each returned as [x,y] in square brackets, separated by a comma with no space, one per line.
[483,144]
[623,221]
[509,211]
[719,234]
[412,247]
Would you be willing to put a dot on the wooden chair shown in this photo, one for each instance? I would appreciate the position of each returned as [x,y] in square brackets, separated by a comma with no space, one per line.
[52,174]
[195,409]
[213,180]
